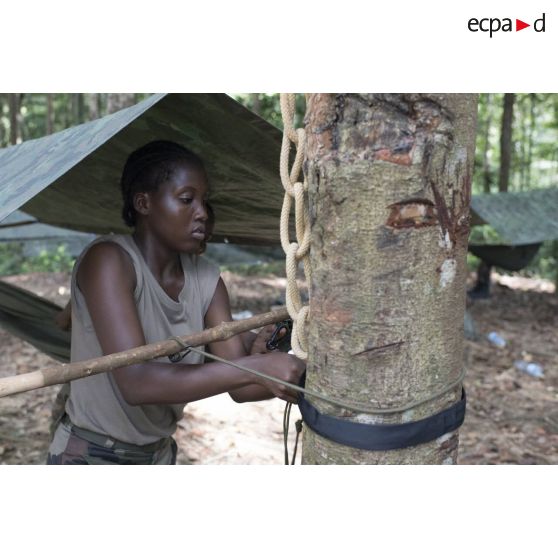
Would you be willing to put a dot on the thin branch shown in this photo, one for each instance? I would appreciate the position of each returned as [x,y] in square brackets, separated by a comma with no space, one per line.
[66,372]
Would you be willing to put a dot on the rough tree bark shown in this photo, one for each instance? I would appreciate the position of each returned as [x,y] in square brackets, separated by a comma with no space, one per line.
[389,191]
[506,142]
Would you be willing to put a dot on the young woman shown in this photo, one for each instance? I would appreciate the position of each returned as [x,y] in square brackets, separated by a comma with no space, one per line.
[129,290]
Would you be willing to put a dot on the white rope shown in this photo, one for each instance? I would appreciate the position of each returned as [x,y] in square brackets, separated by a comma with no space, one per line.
[299,250]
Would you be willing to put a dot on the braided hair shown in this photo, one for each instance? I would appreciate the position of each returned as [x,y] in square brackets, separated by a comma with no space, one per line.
[149,166]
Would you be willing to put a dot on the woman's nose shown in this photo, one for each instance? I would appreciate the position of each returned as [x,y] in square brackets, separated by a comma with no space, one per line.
[201,212]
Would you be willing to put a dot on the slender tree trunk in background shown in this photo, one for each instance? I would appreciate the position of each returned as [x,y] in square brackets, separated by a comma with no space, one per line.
[486,174]
[532,104]
[74,109]
[506,142]
[2,127]
[118,101]
[256,103]
[14,117]
[80,108]
[389,190]
[523,145]
[77,108]
[49,115]
[93,105]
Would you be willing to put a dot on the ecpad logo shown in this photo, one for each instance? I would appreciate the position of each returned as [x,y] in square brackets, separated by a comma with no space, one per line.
[493,25]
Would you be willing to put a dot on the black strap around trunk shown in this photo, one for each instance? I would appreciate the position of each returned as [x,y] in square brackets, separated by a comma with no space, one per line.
[380,437]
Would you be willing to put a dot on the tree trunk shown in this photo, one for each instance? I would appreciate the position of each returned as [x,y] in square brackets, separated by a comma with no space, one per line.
[118,101]
[93,105]
[523,143]
[533,102]
[14,118]
[506,142]
[49,115]
[389,191]
[256,104]
[77,108]
[486,174]
[80,108]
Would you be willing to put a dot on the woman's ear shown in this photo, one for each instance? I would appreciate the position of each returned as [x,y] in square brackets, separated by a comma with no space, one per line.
[142,203]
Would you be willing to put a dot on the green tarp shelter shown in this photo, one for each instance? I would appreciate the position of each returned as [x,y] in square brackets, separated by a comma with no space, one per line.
[20,227]
[71,179]
[522,219]
[519,217]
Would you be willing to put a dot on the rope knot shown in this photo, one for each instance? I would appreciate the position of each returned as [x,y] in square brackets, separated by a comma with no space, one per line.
[299,250]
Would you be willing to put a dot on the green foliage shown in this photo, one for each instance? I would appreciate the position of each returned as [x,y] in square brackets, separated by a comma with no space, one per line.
[484,234]
[472,262]
[270,108]
[13,261]
[55,260]
[545,263]
[11,258]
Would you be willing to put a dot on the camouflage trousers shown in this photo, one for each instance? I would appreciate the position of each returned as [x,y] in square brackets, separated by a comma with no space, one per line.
[76,446]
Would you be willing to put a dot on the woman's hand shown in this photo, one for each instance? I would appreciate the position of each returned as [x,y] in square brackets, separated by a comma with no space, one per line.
[281,366]
[259,345]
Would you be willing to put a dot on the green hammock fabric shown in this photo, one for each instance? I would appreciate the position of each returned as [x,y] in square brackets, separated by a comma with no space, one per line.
[31,318]
[512,258]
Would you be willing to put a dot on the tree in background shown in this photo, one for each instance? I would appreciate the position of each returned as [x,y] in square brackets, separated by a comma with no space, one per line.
[506,142]
[33,115]
[15,115]
[118,101]
[486,173]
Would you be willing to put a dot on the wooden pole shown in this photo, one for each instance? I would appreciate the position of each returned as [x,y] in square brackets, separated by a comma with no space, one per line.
[66,372]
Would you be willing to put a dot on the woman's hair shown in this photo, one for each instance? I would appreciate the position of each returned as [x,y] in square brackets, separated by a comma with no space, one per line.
[149,166]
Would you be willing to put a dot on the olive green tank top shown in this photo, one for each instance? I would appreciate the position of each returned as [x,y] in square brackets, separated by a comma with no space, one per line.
[95,403]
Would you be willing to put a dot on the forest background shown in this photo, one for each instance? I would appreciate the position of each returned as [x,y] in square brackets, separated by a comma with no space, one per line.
[516,150]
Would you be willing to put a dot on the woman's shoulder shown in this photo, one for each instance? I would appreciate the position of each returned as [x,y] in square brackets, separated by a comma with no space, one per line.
[109,254]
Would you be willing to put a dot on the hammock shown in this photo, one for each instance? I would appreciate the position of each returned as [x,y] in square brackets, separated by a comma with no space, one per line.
[511,258]
[31,318]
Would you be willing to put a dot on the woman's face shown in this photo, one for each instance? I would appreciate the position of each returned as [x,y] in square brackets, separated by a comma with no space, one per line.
[177,212]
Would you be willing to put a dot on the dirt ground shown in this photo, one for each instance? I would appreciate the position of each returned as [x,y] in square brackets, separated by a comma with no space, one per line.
[511,416]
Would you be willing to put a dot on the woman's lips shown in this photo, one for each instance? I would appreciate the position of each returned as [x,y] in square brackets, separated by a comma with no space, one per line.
[200,235]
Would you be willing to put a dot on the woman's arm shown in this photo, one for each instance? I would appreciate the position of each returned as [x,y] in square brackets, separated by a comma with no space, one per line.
[219,311]
[106,278]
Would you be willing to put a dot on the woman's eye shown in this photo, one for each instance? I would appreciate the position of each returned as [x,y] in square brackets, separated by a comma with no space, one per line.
[186,200]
